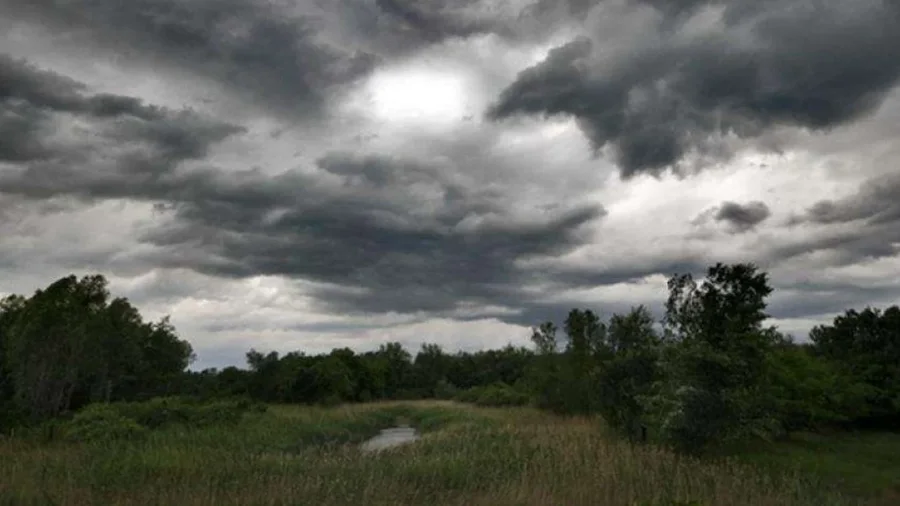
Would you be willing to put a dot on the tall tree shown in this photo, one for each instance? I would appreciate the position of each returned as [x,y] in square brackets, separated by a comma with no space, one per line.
[866,346]
[716,361]
[630,369]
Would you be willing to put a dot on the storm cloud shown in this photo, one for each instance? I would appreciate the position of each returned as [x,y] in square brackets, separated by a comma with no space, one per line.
[302,175]
[864,225]
[388,233]
[655,104]
[257,48]
[434,20]
[113,140]
[738,217]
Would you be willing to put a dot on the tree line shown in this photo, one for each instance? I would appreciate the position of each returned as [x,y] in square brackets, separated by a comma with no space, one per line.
[710,372]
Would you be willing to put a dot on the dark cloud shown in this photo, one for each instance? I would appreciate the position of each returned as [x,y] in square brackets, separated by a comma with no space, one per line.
[739,217]
[391,235]
[253,47]
[788,302]
[120,140]
[399,28]
[677,8]
[577,9]
[31,97]
[813,65]
[864,225]
[435,20]
[387,233]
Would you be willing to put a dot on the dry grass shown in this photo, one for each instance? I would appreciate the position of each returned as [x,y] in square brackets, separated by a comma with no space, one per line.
[467,456]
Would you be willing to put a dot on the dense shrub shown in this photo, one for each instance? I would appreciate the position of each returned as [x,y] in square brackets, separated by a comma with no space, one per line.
[498,394]
[445,390]
[101,422]
[166,411]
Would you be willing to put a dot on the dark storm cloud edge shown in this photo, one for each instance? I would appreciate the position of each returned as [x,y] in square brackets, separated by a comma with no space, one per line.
[739,217]
[33,102]
[253,47]
[655,106]
[874,213]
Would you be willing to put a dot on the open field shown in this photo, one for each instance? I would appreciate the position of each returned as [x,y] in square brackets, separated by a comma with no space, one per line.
[467,456]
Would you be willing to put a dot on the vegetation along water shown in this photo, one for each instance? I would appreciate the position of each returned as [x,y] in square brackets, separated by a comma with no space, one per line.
[707,407]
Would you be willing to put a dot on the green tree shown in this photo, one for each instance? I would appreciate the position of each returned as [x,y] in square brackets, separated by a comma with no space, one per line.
[397,366]
[716,358]
[808,391]
[543,376]
[866,346]
[629,371]
[431,367]
[9,411]
[67,345]
[53,342]
[263,383]
[585,335]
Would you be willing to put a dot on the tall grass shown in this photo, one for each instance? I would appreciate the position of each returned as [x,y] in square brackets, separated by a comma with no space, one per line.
[310,456]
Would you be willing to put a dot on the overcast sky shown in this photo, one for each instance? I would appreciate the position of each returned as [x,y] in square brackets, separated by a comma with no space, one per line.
[301,175]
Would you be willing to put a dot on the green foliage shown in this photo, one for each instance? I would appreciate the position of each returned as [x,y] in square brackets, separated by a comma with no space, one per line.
[498,394]
[714,375]
[808,392]
[445,390]
[629,371]
[69,345]
[715,359]
[865,346]
[102,422]
[309,455]
[165,411]
[673,502]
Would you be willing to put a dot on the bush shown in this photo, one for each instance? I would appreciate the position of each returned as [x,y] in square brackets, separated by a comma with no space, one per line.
[101,422]
[445,390]
[166,411]
[498,394]
[11,416]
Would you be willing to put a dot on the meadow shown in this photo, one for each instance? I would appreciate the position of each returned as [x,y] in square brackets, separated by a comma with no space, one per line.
[297,455]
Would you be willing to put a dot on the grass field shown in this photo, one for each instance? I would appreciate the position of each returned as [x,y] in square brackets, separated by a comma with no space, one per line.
[467,456]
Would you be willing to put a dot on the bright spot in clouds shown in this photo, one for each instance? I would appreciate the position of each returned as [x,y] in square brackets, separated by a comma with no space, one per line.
[418,95]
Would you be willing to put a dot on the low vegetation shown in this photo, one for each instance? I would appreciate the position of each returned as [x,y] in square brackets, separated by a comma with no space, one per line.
[707,405]
[478,456]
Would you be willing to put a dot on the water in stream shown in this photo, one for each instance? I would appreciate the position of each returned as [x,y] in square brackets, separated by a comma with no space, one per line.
[390,438]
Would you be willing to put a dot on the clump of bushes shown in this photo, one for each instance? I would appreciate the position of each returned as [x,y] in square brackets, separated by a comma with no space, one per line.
[129,420]
[102,422]
[165,411]
[497,394]
[445,390]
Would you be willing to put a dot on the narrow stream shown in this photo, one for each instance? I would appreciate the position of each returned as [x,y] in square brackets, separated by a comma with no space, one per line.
[390,438]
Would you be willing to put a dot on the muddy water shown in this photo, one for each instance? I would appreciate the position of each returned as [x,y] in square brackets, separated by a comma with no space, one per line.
[390,438]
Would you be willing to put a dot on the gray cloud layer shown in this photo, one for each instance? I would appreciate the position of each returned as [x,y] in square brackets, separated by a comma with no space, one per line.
[254,47]
[141,140]
[401,234]
[397,233]
[868,222]
[741,217]
[409,233]
[655,105]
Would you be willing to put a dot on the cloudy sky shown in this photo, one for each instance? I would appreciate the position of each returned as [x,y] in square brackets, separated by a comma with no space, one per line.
[300,175]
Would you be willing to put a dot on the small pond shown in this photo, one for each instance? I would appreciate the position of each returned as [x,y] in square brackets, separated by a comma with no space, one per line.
[390,438]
